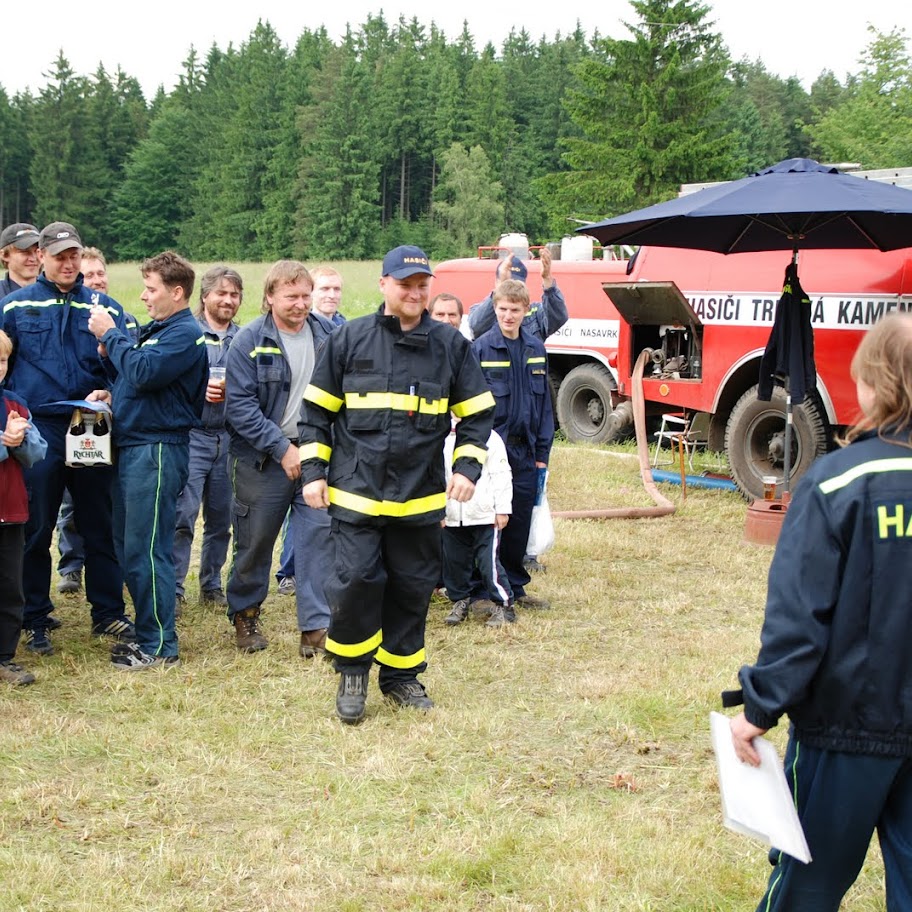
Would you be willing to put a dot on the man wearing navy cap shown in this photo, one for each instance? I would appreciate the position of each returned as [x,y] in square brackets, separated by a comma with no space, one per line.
[544,318]
[376,413]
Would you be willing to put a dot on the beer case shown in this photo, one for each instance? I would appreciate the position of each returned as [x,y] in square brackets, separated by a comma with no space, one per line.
[87,448]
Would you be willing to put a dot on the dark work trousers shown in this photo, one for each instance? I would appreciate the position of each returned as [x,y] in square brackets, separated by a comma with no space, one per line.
[207,485]
[12,542]
[91,490]
[150,477]
[382,581]
[515,536]
[470,548]
[842,799]
[262,497]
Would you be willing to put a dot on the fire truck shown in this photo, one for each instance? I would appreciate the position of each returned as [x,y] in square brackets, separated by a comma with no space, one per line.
[705,319]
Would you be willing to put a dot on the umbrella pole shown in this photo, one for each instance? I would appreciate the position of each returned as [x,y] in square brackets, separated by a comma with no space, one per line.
[787,459]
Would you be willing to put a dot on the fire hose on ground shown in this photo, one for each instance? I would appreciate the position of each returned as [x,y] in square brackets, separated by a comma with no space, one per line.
[663,507]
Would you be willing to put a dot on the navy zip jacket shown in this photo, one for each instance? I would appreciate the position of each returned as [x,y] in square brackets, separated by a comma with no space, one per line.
[836,644]
[161,380]
[530,418]
[259,382]
[55,357]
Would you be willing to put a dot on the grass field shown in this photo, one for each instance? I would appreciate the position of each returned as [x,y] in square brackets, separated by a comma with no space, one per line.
[566,767]
[360,293]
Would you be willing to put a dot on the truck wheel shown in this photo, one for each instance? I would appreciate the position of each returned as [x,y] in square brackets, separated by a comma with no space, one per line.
[584,405]
[755,438]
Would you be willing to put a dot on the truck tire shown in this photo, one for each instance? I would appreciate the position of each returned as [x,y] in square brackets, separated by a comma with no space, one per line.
[584,405]
[754,438]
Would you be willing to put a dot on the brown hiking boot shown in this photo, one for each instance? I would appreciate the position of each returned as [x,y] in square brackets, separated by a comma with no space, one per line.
[11,673]
[313,643]
[501,616]
[532,603]
[247,629]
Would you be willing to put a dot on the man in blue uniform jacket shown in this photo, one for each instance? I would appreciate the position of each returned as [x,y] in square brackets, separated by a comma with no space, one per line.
[158,397]
[55,358]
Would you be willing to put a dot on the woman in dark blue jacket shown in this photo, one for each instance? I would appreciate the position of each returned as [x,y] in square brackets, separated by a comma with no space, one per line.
[836,645]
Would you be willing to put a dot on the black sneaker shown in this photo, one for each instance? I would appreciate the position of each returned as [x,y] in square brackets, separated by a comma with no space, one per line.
[14,674]
[179,602]
[129,657]
[411,694]
[53,623]
[120,629]
[37,641]
[458,613]
[213,598]
[352,696]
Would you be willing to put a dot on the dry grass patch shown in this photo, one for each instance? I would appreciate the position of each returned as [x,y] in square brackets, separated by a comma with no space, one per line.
[566,766]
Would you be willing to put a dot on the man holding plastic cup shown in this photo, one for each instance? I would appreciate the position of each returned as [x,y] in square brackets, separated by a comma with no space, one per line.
[208,485]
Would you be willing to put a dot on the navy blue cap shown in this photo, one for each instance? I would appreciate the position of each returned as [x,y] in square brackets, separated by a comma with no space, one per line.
[402,262]
[518,269]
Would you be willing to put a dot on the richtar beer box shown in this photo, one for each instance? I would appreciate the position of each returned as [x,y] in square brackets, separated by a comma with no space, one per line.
[88,440]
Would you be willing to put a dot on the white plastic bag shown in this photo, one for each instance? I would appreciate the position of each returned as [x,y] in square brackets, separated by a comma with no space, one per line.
[541,532]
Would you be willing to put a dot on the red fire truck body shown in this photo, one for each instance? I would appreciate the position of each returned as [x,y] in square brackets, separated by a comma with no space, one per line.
[717,329]
[706,318]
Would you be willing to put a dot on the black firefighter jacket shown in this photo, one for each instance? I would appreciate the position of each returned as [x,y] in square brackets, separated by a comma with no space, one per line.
[377,411]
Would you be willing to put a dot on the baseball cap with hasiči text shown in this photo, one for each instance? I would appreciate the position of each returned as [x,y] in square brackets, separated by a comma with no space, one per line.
[402,262]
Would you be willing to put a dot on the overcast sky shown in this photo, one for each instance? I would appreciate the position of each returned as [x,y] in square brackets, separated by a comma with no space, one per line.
[150,40]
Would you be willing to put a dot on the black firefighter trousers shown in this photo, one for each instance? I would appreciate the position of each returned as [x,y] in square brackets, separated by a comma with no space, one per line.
[379,590]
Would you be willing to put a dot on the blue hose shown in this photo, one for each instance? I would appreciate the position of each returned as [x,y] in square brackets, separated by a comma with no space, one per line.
[696,481]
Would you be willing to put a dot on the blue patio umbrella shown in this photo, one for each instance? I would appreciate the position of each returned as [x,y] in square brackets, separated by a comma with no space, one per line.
[795,205]
[798,204]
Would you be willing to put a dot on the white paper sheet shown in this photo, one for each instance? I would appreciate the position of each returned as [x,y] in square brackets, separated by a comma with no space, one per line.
[756,800]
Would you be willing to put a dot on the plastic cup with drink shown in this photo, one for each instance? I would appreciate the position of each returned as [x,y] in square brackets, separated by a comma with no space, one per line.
[215,389]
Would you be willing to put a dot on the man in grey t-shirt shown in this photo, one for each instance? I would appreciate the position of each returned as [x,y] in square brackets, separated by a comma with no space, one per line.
[269,366]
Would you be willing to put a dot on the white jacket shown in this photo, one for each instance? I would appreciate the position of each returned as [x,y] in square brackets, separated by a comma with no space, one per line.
[493,492]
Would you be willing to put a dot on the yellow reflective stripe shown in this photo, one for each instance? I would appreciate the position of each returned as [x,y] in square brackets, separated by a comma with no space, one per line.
[479,403]
[201,341]
[354,650]
[399,402]
[78,305]
[149,342]
[367,506]
[314,451]
[538,360]
[320,397]
[495,363]
[216,342]
[265,350]
[471,452]
[394,661]
[874,467]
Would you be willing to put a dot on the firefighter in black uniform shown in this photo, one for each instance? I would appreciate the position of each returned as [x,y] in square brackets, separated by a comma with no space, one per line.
[376,413]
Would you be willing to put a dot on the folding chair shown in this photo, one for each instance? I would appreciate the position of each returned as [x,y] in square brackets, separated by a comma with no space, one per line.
[681,429]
